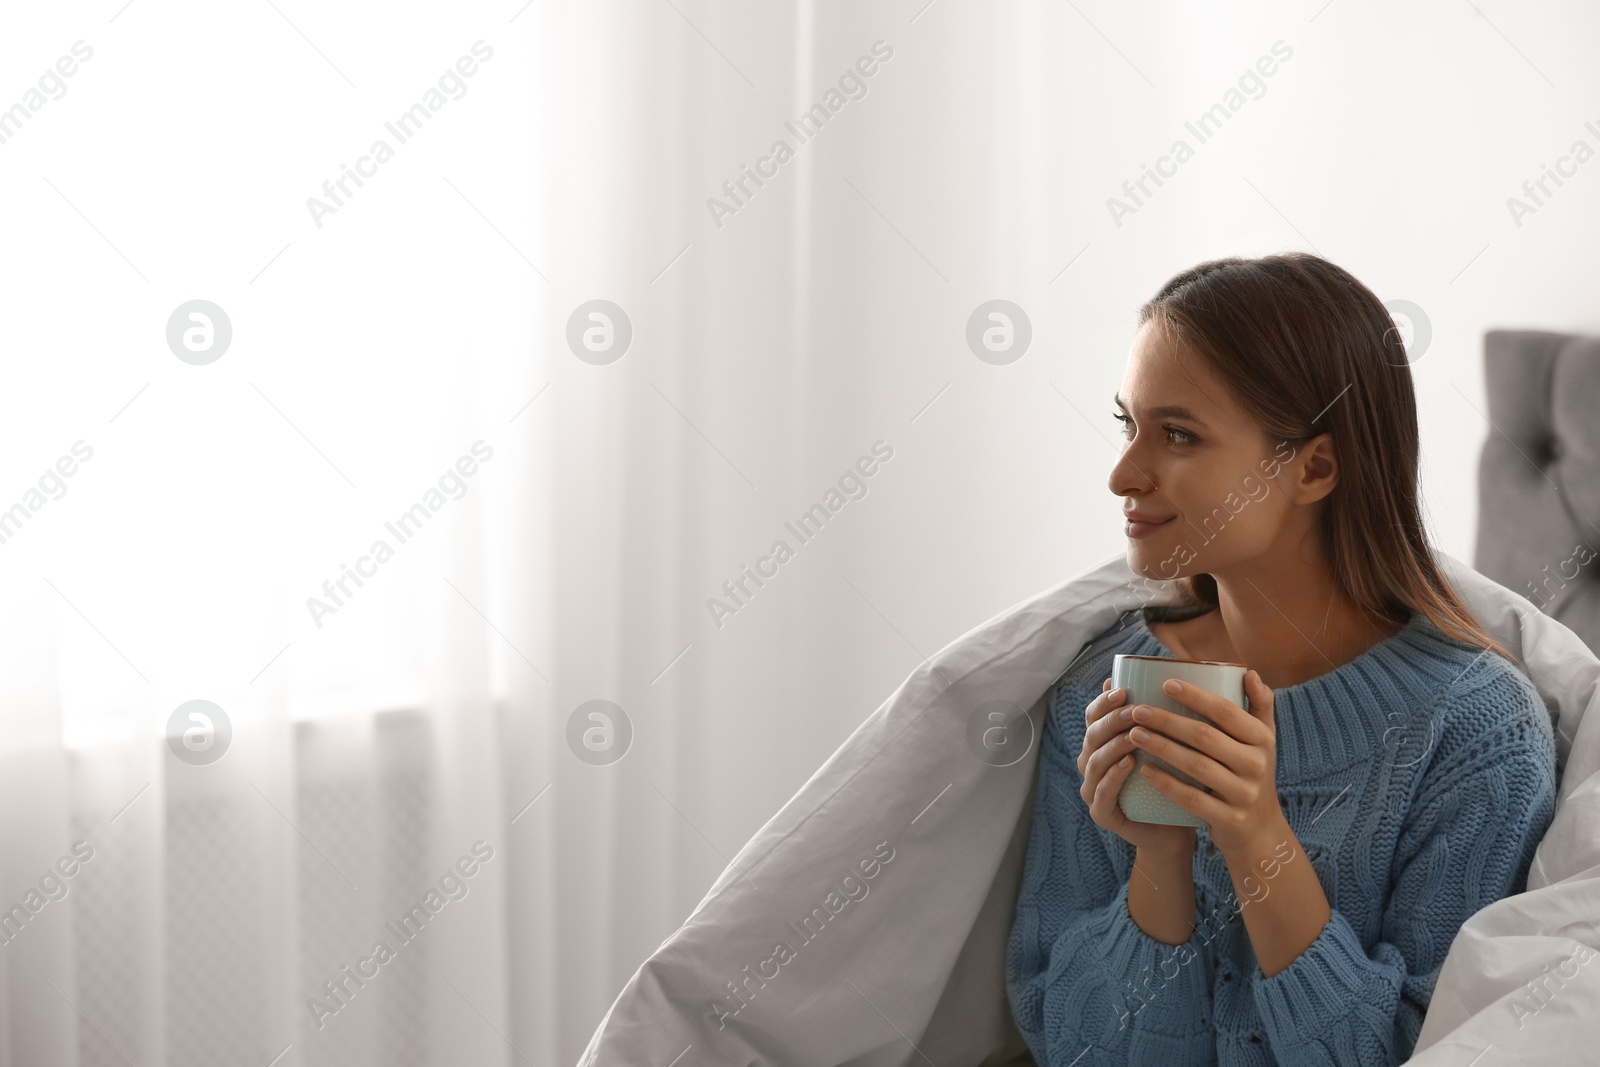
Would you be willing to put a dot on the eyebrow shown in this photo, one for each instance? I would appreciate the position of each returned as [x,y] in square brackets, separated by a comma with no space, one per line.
[1170,411]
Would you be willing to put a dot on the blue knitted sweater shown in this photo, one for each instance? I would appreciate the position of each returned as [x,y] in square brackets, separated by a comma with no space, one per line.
[1418,777]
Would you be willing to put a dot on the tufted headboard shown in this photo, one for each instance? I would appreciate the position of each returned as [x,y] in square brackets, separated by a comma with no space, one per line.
[1539,474]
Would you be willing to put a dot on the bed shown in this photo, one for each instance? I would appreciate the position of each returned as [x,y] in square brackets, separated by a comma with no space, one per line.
[1539,475]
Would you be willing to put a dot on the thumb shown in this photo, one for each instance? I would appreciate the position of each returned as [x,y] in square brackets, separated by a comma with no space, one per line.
[1260,696]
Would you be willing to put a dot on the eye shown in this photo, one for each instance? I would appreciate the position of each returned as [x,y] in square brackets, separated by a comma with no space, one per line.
[1174,434]
[1188,438]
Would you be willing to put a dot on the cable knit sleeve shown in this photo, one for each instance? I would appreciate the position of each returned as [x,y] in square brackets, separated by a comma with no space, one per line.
[1080,972]
[1468,840]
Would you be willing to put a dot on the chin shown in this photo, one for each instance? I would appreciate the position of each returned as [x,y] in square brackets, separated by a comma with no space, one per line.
[1145,562]
[1153,561]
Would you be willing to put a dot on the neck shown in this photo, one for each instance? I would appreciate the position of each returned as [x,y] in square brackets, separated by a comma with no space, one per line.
[1290,622]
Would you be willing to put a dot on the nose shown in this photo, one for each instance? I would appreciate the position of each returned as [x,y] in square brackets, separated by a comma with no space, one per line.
[1128,476]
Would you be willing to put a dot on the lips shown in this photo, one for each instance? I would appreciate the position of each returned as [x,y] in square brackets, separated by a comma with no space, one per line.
[1141,524]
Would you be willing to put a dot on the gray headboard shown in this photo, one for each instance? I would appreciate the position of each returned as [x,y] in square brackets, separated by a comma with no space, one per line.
[1539,475]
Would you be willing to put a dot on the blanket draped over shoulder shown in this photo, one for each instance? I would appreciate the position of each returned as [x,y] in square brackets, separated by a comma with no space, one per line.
[866,922]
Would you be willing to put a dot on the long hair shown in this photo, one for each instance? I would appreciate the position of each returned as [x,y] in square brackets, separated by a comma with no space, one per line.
[1307,349]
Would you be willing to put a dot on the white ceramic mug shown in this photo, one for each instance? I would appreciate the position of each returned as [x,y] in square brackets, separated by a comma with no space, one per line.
[1143,677]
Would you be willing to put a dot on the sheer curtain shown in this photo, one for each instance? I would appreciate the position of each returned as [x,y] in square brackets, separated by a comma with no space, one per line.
[291,540]
[418,727]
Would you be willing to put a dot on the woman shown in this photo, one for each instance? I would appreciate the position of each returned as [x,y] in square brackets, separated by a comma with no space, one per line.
[1394,771]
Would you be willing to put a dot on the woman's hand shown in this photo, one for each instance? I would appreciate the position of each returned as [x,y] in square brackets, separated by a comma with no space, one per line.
[1105,762]
[1233,753]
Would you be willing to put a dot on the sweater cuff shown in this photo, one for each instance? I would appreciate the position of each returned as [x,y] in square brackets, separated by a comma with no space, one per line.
[1162,985]
[1306,999]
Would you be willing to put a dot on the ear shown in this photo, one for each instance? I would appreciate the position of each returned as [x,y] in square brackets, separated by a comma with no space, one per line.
[1316,470]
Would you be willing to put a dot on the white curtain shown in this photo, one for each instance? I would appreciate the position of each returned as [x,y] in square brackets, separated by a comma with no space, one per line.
[411,727]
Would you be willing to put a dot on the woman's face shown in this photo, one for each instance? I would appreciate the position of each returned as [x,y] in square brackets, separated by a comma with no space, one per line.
[1195,459]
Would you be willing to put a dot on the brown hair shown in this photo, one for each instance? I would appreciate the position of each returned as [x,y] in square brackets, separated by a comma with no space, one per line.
[1307,349]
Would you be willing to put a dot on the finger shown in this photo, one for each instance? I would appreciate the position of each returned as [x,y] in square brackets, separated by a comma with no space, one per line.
[1229,717]
[1104,809]
[1103,803]
[1260,697]
[1090,768]
[1107,700]
[1195,801]
[1201,736]
[1116,720]
[1104,757]
[1093,771]
[1202,768]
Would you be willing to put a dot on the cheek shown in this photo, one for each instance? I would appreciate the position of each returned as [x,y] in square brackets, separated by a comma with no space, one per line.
[1231,512]
[1203,493]
[1251,532]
